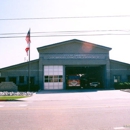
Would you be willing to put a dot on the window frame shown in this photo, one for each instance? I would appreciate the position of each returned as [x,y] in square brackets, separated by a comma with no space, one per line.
[117,78]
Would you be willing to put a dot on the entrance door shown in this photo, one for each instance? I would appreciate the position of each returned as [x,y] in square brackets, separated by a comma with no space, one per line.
[53,77]
[83,76]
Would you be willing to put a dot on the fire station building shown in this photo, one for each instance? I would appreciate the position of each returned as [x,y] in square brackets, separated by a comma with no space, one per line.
[69,64]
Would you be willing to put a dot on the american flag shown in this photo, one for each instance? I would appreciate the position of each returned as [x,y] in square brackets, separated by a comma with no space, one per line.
[28,42]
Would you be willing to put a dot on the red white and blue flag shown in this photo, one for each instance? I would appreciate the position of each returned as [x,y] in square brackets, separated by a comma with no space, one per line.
[28,42]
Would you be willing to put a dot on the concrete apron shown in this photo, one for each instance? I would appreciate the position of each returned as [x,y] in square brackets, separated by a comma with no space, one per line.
[78,95]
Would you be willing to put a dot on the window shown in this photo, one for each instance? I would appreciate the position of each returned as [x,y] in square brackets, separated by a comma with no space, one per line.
[2,79]
[12,79]
[21,79]
[32,80]
[60,78]
[54,78]
[50,78]
[117,78]
[46,78]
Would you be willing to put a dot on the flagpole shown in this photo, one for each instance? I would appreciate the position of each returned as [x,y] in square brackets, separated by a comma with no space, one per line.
[28,53]
[29,65]
[29,70]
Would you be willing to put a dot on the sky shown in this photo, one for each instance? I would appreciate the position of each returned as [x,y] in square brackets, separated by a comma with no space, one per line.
[102,22]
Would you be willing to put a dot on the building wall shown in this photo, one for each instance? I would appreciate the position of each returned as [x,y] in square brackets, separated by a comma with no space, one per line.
[119,69]
[74,53]
[21,70]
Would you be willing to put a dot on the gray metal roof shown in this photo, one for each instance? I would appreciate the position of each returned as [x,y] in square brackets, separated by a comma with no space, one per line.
[18,65]
[70,41]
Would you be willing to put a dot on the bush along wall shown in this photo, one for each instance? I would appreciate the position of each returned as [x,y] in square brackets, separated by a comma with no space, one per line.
[122,85]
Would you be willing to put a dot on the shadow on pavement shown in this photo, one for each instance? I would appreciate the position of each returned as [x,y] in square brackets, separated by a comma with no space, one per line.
[126,90]
[67,91]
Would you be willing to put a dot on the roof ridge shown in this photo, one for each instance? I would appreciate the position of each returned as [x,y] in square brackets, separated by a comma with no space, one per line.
[72,40]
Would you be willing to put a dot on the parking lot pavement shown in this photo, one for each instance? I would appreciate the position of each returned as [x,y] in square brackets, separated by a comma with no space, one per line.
[78,95]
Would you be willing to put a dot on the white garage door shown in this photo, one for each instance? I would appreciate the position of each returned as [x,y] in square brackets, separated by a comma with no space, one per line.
[53,77]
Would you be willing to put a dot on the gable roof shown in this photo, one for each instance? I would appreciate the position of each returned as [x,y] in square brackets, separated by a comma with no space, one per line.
[119,62]
[18,65]
[71,41]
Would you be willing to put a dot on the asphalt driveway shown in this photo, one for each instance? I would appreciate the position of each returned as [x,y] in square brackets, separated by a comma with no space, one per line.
[78,95]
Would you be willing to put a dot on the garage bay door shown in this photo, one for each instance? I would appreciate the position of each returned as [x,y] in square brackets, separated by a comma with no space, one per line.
[53,77]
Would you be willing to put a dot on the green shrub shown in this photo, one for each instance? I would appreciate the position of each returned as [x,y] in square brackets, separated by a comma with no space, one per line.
[122,85]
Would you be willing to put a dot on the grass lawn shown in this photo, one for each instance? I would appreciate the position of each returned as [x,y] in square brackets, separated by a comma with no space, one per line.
[8,98]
